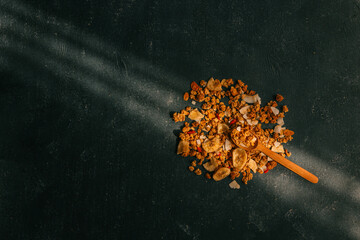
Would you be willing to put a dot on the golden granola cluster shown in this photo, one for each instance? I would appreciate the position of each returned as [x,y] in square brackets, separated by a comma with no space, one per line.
[229,114]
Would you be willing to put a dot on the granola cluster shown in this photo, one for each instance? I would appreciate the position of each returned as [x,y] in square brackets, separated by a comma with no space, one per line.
[229,117]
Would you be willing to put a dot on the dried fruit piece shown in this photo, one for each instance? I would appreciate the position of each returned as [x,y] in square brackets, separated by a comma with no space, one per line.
[279,149]
[227,145]
[222,128]
[234,185]
[275,110]
[183,147]
[244,110]
[252,98]
[221,173]
[212,145]
[211,165]
[239,158]
[252,165]
[195,115]
[214,85]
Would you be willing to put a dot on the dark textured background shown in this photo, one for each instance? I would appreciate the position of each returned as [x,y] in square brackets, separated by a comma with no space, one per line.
[87,146]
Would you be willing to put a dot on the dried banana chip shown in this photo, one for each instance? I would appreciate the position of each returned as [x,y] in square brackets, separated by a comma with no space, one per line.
[196,115]
[212,145]
[239,158]
[221,173]
[183,147]
[222,128]
[211,165]
[214,85]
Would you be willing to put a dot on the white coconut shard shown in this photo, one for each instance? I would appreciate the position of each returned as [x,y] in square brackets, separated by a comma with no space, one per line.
[279,149]
[270,159]
[243,110]
[245,116]
[275,110]
[276,144]
[238,128]
[278,129]
[227,145]
[193,102]
[252,165]
[252,98]
[280,121]
[234,185]
[198,141]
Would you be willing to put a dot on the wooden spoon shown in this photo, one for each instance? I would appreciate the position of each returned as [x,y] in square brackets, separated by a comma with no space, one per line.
[280,159]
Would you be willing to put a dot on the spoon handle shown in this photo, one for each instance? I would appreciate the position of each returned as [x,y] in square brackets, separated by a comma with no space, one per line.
[288,164]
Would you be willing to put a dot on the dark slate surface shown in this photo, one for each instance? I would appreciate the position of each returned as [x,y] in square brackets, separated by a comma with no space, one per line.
[87,145]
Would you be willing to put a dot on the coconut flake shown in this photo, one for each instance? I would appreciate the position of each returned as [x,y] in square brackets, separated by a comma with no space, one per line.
[275,110]
[243,110]
[252,165]
[279,149]
[270,159]
[234,185]
[276,144]
[262,169]
[245,116]
[202,137]
[193,102]
[227,145]
[238,128]
[277,129]
[252,98]
[280,121]
[258,99]
[254,122]
[198,141]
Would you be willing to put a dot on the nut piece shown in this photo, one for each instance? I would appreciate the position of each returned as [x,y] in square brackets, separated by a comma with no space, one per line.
[239,158]
[197,171]
[221,173]
[186,96]
[279,98]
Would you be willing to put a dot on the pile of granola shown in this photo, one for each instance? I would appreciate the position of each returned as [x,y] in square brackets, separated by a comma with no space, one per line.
[213,133]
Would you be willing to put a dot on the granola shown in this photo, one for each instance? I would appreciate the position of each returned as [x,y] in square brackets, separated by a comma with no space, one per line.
[229,114]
